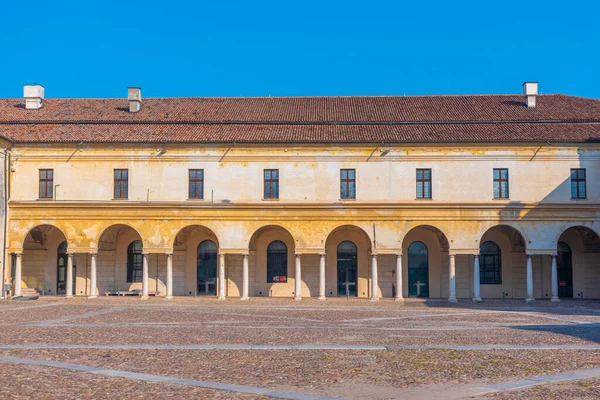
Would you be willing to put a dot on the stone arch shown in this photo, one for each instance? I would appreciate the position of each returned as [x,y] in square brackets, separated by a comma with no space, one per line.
[257,245]
[513,245]
[584,243]
[40,256]
[185,259]
[512,228]
[111,267]
[361,239]
[438,246]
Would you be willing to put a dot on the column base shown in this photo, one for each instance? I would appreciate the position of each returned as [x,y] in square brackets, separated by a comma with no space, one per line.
[454,300]
[555,300]
[477,300]
[529,300]
[168,297]
[322,298]
[399,299]
[92,296]
[244,298]
[220,298]
[297,298]
[69,296]
[375,299]
[144,297]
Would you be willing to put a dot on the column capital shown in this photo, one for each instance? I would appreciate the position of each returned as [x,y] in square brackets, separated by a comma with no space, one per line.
[323,254]
[17,253]
[169,254]
[297,254]
[374,253]
[93,253]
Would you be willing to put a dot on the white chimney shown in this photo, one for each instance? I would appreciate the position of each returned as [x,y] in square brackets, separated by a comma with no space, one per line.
[34,95]
[134,95]
[530,89]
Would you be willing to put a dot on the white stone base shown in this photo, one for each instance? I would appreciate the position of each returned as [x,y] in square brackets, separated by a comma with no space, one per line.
[477,300]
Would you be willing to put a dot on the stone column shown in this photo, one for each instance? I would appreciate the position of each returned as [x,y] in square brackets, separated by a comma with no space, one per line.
[398,278]
[476,281]
[245,278]
[169,295]
[17,290]
[554,279]
[322,276]
[374,282]
[221,295]
[529,280]
[298,278]
[69,276]
[144,276]
[452,279]
[93,284]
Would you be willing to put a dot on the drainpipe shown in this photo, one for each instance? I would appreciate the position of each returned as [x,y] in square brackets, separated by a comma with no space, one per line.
[6,195]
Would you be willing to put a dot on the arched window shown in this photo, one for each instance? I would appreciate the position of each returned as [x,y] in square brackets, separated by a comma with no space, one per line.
[277,262]
[347,269]
[207,266]
[134,262]
[490,267]
[418,270]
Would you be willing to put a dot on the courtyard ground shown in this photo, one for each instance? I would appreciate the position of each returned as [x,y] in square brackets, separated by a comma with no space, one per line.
[110,348]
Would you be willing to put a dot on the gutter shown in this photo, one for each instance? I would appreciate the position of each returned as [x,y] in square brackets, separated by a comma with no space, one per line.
[5,216]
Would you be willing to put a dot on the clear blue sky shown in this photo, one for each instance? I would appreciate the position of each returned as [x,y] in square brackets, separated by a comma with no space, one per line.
[326,47]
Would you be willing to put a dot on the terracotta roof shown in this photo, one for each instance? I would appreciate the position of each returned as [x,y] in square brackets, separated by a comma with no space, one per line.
[473,118]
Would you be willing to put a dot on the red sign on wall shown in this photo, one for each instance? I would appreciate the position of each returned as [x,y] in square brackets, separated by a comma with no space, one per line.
[562,284]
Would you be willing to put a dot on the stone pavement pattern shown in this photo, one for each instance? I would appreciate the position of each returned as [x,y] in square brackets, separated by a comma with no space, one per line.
[203,348]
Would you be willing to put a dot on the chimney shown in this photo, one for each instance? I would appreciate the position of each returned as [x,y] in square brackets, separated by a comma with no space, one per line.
[530,89]
[134,95]
[34,95]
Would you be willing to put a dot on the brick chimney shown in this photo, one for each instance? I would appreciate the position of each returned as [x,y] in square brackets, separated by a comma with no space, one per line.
[34,96]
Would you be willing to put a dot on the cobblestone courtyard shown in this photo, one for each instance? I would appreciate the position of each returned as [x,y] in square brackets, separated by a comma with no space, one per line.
[203,348]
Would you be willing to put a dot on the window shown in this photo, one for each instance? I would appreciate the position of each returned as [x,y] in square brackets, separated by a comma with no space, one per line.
[135,262]
[121,183]
[578,183]
[271,184]
[423,183]
[277,262]
[46,183]
[490,269]
[196,184]
[347,184]
[500,183]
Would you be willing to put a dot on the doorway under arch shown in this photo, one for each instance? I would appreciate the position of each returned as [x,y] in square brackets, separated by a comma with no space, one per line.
[347,269]
[564,269]
[206,268]
[418,270]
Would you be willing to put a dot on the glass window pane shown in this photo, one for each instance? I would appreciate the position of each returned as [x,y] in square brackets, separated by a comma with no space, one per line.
[496,174]
[504,173]
[275,190]
[419,190]
[573,189]
[505,189]
[344,190]
[581,173]
[427,174]
[419,174]
[352,193]
[427,190]
[573,174]
[344,174]
[124,174]
[351,174]
[275,174]
[496,189]
[582,189]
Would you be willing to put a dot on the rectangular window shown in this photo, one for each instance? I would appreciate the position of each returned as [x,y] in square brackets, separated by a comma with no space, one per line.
[46,183]
[196,184]
[271,184]
[347,184]
[423,183]
[500,183]
[121,183]
[578,189]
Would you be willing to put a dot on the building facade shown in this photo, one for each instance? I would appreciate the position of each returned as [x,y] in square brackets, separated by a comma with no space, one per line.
[457,197]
